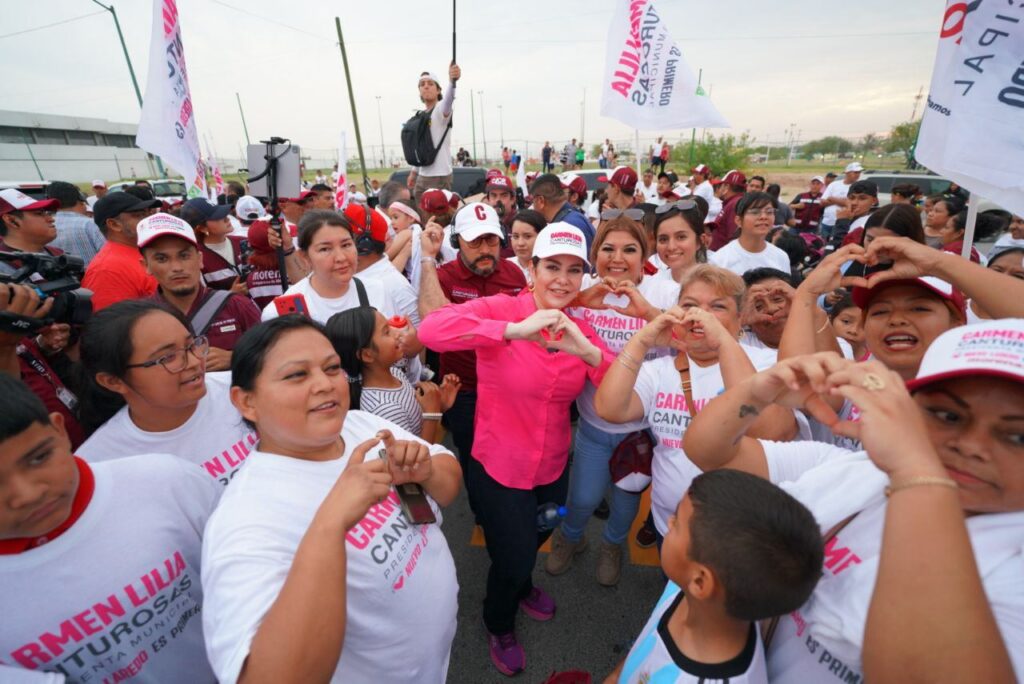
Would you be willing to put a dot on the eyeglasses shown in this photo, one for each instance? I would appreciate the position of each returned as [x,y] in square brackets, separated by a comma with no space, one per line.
[490,240]
[635,214]
[177,360]
[681,205]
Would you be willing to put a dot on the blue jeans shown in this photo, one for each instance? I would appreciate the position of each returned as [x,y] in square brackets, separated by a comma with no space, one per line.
[588,479]
[826,231]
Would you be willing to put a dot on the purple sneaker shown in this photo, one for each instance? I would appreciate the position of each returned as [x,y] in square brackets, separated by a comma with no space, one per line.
[506,653]
[539,605]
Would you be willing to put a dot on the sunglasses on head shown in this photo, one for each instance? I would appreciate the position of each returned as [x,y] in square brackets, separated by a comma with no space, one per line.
[634,214]
[681,205]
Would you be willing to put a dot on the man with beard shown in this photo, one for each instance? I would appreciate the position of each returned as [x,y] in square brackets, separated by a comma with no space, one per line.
[477,272]
[170,254]
[501,195]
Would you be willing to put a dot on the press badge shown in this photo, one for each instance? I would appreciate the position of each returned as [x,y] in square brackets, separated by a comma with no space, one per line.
[67,397]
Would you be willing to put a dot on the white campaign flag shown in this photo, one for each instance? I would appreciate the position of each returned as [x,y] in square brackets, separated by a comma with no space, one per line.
[972,131]
[341,177]
[168,125]
[646,83]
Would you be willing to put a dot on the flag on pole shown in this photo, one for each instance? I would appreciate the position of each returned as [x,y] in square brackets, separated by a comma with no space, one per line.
[341,177]
[972,129]
[521,177]
[218,180]
[646,83]
[168,125]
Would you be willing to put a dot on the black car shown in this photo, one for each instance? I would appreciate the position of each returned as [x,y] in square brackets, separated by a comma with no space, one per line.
[466,181]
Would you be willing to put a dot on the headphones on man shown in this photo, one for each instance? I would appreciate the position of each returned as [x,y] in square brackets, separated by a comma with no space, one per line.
[453,239]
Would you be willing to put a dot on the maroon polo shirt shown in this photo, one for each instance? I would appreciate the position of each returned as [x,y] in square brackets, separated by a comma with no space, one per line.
[238,315]
[723,228]
[461,285]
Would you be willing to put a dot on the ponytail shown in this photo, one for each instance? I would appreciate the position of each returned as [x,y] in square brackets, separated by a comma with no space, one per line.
[350,332]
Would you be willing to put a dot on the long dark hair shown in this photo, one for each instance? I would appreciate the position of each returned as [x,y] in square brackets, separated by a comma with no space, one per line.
[350,332]
[106,348]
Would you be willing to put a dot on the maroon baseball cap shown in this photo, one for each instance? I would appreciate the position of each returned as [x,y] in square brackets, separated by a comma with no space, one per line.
[574,183]
[623,177]
[702,169]
[493,173]
[502,182]
[735,178]
[435,201]
[303,196]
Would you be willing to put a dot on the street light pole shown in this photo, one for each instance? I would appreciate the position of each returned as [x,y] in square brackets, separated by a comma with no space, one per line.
[380,124]
[501,127]
[483,129]
[128,60]
[472,120]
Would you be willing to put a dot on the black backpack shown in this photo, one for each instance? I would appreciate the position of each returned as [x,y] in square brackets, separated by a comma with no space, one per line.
[417,144]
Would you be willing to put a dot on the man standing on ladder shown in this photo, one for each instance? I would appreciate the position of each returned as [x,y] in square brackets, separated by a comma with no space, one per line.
[438,174]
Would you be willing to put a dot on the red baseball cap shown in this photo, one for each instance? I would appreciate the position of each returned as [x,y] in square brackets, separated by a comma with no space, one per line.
[862,296]
[501,182]
[702,169]
[493,173]
[623,177]
[303,196]
[356,214]
[13,199]
[734,178]
[258,237]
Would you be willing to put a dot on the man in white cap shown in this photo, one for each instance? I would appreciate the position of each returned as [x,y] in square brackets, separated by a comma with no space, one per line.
[835,197]
[479,271]
[99,189]
[439,173]
[170,253]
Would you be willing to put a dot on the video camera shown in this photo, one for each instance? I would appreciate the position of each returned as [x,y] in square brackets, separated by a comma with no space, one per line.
[56,277]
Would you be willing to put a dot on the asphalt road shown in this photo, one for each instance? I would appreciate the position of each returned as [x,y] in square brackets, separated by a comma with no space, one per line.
[592,630]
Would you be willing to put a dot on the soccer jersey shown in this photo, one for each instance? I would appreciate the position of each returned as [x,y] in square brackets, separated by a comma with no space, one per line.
[655,657]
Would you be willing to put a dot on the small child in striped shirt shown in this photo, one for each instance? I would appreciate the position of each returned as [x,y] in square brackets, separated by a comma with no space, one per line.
[369,347]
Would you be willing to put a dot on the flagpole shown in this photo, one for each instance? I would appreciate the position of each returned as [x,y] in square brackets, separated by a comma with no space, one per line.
[972,219]
[242,112]
[639,172]
[352,103]
[693,131]
[472,120]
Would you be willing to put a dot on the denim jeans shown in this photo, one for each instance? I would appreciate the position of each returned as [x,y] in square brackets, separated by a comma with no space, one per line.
[589,479]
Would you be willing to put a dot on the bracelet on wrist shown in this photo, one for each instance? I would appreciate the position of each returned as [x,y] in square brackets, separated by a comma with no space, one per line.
[635,369]
[289,252]
[431,416]
[922,481]
[428,260]
[629,356]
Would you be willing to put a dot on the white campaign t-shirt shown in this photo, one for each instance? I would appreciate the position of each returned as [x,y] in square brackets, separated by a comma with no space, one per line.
[660,391]
[402,590]
[835,189]
[655,657]
[117,596]
[322,308]
[404,297]
[616,330]
[215,437]
[820,476]
[442,165]
[739,260]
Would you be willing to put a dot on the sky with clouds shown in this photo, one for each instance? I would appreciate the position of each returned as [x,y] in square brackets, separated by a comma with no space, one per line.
[827,67]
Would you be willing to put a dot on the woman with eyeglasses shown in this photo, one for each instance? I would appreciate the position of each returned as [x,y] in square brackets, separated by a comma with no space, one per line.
[616,303]
[148,392]
[532,362]
[755,216]
[680,238]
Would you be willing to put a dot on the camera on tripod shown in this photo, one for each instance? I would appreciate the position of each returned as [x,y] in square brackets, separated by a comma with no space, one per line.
[56,277]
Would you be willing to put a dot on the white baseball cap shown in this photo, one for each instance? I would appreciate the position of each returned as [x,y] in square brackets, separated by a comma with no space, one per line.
[431,75]
[560,238]
[158,225]
[477,219]
[853,166]
[248,208]
[993,348]
[98,184]
[817,178]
